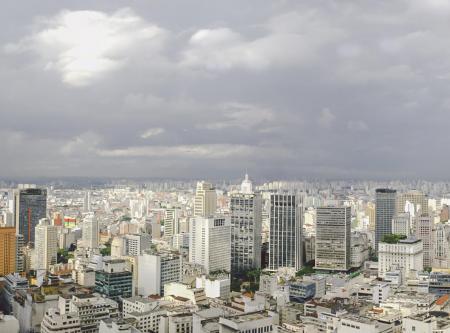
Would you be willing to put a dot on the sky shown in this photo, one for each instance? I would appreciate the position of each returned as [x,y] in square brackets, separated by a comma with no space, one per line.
[210,89]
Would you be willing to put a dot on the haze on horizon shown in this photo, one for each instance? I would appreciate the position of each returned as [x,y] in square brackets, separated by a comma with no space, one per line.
[203,89]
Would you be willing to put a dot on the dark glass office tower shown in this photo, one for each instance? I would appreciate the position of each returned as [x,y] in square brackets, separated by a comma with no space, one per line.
[30,205]
[385,206]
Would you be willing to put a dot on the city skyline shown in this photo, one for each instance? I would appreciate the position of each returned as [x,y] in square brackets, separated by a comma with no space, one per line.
[316,90]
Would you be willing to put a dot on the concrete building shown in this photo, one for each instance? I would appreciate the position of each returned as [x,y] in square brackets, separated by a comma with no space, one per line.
[146,312]
[441,237]
[251,322]
[114,281]
[92,309]
[401,224]
[205,201]
[426,323]
[424,231]
[9,324]
[385,204]
[418,200]
[176,323]
[55,322]
[359,249]
[215,286]
[246,225]
[156,270]
[210,243]
[285,232]
[130,245]
[8,250]
[333,238]
[178,289]
[46,244]
[171,219]
[406,256]
[90,231]
[121,325]
[30,205]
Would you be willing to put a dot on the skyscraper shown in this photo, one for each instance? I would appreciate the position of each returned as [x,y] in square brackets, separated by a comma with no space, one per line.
[417,199]
[246,224]
[171,226]
[385,204]
[46,244]
[210,243]
[285,248]
[90,231]
[30,205]
[7,250]
[333,236]
[424,230]
[205,201]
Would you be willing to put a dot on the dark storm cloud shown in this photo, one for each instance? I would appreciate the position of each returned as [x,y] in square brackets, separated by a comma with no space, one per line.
[336,89]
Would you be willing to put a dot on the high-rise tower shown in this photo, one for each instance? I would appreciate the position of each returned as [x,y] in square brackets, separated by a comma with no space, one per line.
[385,204]
[333,236]
[30,205]
[46,244]
[205,202]
[246,224]
[285,248]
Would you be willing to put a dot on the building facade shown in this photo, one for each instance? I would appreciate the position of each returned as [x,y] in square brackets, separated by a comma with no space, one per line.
[246,225]
[385,204]
[333,238]
[285,233]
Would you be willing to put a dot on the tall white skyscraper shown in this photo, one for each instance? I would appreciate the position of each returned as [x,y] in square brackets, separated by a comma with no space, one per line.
[210,243]
[205,201]
[333,237]
[285,234]
[246,224]
[90,231]
[46,244]
[87,202]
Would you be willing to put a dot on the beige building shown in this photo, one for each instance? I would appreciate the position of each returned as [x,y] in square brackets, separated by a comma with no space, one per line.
[205,201]
[417,198]
[7,250]
[46,244]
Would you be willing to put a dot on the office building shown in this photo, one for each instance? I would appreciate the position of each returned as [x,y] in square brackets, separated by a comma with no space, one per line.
[414,202]
[205,201]
[130,245]
[406,256]
[114,281]
[424,231]
[8,251]
[90,231]
[30,205]
[210,243]
[156,270]
[385,201]
[171,226]
[285,233]
[246,225]
[56,322]
[333,238]
[401,224]
[46,244]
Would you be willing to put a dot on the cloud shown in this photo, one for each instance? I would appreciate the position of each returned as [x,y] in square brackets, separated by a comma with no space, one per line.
[152,132]
[326,118]
[244,116]
[357,126]
[204,151]
[291,39]
[83,46]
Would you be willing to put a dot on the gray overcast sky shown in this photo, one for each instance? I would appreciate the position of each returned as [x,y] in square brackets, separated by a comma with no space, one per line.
[284,89]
